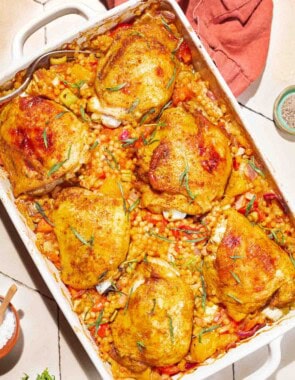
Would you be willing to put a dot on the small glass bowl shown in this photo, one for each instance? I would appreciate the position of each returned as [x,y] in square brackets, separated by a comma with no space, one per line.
[277,110]
[12,341]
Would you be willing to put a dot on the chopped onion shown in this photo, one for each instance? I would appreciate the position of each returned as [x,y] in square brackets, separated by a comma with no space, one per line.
[103,286]
[110,121]
[172,215]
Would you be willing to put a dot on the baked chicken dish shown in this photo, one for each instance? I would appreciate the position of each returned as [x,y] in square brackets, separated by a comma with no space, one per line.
[172,242]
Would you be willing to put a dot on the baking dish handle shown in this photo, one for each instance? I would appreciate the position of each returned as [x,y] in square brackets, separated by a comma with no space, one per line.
[25,32]
[272,362]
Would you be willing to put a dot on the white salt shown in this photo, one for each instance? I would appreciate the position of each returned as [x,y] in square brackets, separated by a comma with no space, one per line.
[7,328]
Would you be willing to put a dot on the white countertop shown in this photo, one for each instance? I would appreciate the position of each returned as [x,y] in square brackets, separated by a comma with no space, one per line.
[46,339]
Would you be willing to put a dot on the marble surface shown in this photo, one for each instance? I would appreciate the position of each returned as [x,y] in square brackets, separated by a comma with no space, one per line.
[46,339]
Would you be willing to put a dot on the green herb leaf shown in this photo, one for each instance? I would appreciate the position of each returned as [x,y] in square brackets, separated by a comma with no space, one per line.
[59,115]
[45,375]
[75,85]
[171,80]
[25,377]
[235,257]
[134,105]
[154,306]
[178,46]
[123,197]
[235,298]
[97,323]
[151,139]
[83,114]
[134,205]
[166,106]
[114,160]
[116,88]
[127,303]
[186,230]
[89,242]
[101,276]
[140,345]
[135,33]
[42,213]
[167,27]
[236,277]
[250,205]
[204,292]
[184,181]
[278,236]
[128,142]
[54,168]
[44,135]
[94,145]
[171,329]
[206,330]
[292,259]
[251,162]
[146,115]
[161,237]
[195,240]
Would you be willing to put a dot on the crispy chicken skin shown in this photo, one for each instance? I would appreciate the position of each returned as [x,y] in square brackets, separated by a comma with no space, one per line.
[93,235]
[41,144]
[186,165]
[248,269]
[136,76]
[155,327]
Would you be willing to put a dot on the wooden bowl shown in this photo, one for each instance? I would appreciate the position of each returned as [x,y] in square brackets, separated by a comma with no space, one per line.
[12,341]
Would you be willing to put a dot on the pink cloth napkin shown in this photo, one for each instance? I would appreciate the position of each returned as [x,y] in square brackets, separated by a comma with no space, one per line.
[235,33]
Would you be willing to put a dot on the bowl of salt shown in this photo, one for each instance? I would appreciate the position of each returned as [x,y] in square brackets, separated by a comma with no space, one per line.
[9,323]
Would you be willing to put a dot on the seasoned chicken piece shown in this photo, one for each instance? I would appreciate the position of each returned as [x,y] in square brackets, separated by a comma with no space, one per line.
[135,79]
[41,144]
[155,327]
[185,165]
[246,268]
[93,235]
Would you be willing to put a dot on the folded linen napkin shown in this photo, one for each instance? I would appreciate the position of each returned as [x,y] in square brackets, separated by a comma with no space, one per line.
[235,33]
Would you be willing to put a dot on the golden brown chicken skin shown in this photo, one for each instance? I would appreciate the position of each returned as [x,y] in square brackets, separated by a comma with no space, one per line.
[41,144]
[135,79]
[185,165]
[155,327]
[246,268]
[93,235]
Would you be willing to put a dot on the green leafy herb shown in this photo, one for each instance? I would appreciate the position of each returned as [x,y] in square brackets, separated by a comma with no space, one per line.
[171,329]
[235,257]
[235,298]
[278,236]
[78,84]
[195,240]
[25,377]
[178,46]
[167,105]
[145,259]
[116,88]
[83,114]
[186,230]
[236,277]
[206,330]
[251,162]
[134,205]
[45,375]
[89,242]
[114,163]
[123,197]
[59,115]
[54,168]
[127,303]
[44,135]
[171,80]
[140,345]
[94,145]
[42,213]
[151,139]
[133,105]
[161,237]
[101,276]
[97,323]
[292,259]
[184,181]
[204,292]
[135,33]
[154,305]
[128,142]
[129,262]
[167,27]
[250,205]
[146,115]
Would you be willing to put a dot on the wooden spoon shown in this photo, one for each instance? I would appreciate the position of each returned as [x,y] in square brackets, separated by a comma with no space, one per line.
[7,299]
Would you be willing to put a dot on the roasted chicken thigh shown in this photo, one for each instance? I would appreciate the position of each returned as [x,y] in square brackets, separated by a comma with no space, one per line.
[41,144]
[246,269]
[155,327]
[185,165]
[135,79]
[93,235]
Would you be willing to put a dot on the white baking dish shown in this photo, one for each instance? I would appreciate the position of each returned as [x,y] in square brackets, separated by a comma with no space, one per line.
[270,336]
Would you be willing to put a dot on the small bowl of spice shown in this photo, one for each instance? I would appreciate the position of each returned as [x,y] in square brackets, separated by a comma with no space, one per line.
[9,323]
[284,110]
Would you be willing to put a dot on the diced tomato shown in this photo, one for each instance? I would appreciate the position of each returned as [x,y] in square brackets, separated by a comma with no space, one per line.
[76,293]
[121,26]
[171,370]
[189,366]
[236,164]
[175,233]
[268,197]
[124,135]
[246,334]
[102,175]
[99,305]
[184,53]
[181,95]
[44,227]
[102,330]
